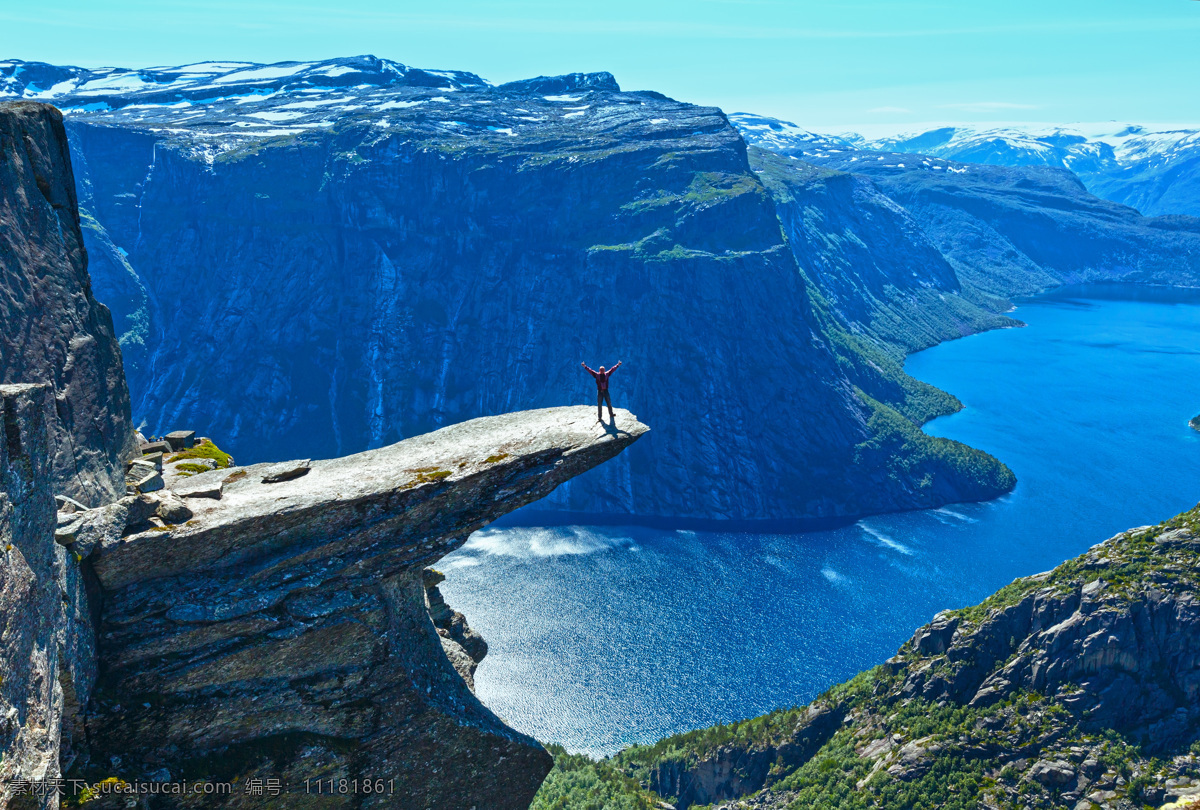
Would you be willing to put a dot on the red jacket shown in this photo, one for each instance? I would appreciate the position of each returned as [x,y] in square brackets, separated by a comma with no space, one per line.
[601,377]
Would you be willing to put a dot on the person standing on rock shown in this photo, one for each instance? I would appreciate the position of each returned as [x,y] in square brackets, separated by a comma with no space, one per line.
[602,396]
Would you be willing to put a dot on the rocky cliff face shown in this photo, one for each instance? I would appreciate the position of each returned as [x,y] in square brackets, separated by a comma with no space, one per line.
[303,270]
[270,626]
[47,637]
[282,630]
[1011,230]
[1074,688]
[54,330]
[871,259]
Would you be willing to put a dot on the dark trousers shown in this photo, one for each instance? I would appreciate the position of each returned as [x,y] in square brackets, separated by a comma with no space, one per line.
[601,398]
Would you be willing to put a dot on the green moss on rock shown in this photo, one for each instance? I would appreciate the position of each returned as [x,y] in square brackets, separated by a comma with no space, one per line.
[205,449]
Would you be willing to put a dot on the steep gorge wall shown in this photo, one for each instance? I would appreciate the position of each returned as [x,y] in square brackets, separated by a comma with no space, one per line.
[333,292]
[268,622]
[1012,231]
[47,635]
[54,330]
[66,431]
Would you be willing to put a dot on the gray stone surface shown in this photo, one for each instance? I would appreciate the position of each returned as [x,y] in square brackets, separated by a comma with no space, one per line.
[54,331]
[47,642]
[286,626]
[181,439]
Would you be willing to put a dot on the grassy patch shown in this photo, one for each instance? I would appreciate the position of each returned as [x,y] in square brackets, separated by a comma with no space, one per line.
[705,188]
[426,475]
[206,449]
[495,458]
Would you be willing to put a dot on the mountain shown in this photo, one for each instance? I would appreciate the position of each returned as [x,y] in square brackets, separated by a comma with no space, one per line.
[1073,688]
[1153,169]
[323,257]
[1012,230]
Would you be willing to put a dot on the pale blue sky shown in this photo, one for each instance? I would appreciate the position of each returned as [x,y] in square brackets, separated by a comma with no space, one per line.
[825,65]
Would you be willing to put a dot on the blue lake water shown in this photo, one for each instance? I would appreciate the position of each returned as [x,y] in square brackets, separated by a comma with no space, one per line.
[604,636]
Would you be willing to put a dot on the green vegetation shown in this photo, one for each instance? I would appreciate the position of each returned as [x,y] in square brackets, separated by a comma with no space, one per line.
[884,379]
[937,469]
[1130,559]
[578,782]
[206,449]
[426,475]
[495,458]
[692,746]
[704,189]
[188,468]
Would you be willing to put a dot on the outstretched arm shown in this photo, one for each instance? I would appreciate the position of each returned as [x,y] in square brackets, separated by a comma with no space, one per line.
[614,368]
[589,369]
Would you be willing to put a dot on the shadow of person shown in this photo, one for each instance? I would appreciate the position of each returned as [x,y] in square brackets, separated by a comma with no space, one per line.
[611,428]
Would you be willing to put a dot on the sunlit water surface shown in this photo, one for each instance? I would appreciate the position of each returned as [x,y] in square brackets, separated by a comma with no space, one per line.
[605,636]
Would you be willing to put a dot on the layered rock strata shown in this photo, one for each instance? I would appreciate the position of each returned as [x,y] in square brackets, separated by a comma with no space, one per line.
[54,330]
[47,640]
[282,630]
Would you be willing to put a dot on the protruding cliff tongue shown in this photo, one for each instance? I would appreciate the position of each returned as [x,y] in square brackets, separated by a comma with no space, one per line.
[281,631]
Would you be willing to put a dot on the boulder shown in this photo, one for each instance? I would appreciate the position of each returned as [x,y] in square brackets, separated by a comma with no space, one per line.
[154,459]
[181,439]
[1055,773]
[140,480]
[69,505]
[287,471]
[149,448]
[171,508]
[205,485]
[68,528]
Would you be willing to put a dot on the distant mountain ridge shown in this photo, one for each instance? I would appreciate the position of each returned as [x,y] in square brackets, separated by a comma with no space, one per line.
[321,257]
[1155,170]
[76,89]
[313,258]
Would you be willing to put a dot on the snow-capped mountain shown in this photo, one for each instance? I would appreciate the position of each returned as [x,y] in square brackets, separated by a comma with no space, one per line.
[81,88]
[1156,170]
[224,103]
[784,136]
